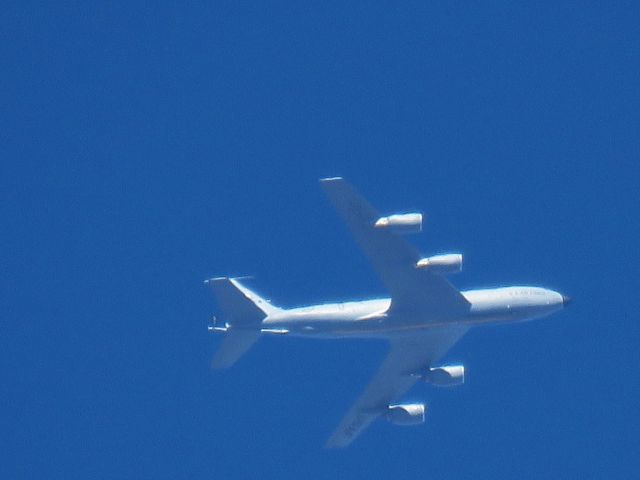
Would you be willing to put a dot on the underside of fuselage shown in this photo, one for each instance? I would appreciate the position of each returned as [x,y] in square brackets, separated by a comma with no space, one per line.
[377,318]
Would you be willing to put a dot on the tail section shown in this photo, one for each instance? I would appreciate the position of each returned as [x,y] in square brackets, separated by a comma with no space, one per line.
[240,306]
[234,345]
[243,312]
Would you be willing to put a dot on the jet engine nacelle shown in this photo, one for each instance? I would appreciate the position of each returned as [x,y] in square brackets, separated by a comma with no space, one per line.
[401,223]
[449,263]
[446,376]
[406,414]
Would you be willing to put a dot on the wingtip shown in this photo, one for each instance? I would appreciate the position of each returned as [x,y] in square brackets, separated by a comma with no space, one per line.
[228,279]
[244,277]
[334,444]
[329,444]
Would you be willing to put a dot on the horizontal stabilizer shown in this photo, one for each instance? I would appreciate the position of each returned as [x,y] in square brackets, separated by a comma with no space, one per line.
[238,304]
[234,345]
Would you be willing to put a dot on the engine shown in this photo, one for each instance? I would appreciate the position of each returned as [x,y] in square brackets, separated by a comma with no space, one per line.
[445,376]
[401,223]
[406,414]
[449,263]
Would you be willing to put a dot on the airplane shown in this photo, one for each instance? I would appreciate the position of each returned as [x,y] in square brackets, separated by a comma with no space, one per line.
[423,318]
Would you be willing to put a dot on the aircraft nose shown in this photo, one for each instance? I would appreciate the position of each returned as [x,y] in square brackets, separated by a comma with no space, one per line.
[566,300]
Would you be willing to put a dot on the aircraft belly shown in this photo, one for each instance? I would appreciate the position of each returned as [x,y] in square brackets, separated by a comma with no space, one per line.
[370,328]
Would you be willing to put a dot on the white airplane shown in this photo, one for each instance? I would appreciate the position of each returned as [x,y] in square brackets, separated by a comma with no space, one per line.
[422,320]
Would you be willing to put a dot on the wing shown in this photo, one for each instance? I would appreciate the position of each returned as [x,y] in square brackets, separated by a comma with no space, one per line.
[413,290]
[407,356]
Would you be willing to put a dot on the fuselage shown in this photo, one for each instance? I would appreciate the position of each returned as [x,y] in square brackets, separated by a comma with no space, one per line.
[375,318]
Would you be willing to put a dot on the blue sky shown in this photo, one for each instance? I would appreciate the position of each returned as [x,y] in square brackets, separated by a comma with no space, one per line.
[146,148]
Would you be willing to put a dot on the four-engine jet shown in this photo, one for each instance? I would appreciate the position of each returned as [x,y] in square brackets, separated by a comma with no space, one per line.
[422,320]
